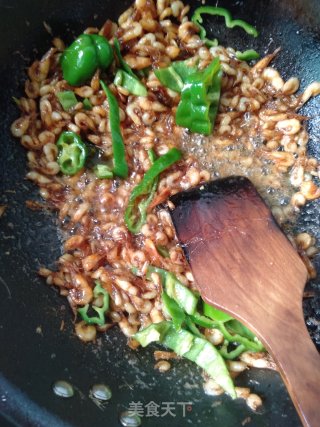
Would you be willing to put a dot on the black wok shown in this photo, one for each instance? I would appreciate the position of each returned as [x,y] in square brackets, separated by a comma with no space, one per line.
[34,352]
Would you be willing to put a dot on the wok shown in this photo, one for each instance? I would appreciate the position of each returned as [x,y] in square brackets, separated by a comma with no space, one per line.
[34,352]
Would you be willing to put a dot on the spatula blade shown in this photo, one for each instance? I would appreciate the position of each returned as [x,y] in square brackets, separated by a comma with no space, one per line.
[245,265]
[241,260]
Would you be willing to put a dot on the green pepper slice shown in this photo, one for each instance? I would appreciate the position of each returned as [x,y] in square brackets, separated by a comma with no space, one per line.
[84,56]
[229,21]
[67,99]
[120,166]
[173,310]
[132,84]
[247,55]
[215,314]
[203,321]
[133,223]
[175,75]
[196,349]
[233,354]
[169,78]
[72,153]
[103,171]
[87,104]
[126,77]
[192,327]
[122,62]
[232,329]
[185,298]
[199,99]
[135,213]
[254,345]
[163,251]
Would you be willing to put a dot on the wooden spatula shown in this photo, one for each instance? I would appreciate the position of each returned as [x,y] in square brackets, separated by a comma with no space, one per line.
[244,264]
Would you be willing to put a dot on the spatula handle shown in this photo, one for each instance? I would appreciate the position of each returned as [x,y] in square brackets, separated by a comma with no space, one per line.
[299,364]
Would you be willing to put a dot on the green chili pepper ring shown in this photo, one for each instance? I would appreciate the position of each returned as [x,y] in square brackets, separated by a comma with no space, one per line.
[72,153]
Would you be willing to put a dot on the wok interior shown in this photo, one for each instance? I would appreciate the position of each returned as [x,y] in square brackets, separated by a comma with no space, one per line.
[33,360]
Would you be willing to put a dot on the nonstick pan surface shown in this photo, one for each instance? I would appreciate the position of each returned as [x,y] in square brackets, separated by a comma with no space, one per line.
[33,351]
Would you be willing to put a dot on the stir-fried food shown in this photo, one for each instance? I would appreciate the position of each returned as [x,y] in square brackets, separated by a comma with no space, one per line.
[130,114]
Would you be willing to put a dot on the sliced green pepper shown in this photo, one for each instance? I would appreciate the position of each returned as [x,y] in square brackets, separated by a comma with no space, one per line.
[175,75]
[154,332]
[200,93]
[67,99]
[192,327]
[120,166]
[173,310]
[87,104]
[72,153]
[247,55]
[238,328]
[233,354]
[215,314]
[184,297]
[100,319]
[197,20]
[185,68]
[132,84]
[134,223]
[175,289]
[230,23]
[196,349]
[169,78]
[126,77]
[181,341]
[135,214]
[254,345]
[203,321]
[232,329]
[199,100]
[103,171]
[163,251]
[122,62]
[205,355]
[84,56]
[178,300]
